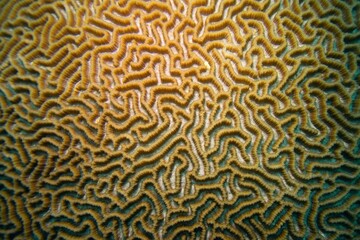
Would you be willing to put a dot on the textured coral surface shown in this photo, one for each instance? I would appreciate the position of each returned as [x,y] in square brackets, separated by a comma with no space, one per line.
[179,119]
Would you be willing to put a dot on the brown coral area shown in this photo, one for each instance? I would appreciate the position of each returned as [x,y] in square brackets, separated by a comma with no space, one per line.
[179,119]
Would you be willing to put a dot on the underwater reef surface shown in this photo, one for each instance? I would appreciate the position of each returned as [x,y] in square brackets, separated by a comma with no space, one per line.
[179,119]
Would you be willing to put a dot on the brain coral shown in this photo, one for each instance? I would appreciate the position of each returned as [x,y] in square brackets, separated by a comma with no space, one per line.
[179,119]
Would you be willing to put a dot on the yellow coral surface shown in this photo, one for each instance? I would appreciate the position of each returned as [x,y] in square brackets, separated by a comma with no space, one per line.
[179,119]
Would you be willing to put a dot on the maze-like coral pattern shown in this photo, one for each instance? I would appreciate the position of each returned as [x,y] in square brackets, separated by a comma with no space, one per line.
[179,119]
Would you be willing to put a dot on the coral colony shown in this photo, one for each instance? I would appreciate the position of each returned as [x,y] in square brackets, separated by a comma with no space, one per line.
[180,119]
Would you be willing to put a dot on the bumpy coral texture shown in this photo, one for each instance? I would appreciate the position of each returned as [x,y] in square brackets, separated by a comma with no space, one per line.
[179,119]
